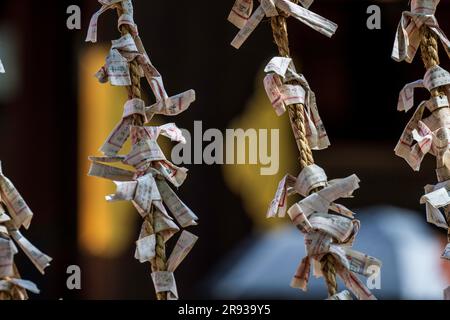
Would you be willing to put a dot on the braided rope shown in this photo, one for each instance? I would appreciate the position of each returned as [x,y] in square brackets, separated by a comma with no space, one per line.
[429,48]
[134,92]
[297,118]
[296,111]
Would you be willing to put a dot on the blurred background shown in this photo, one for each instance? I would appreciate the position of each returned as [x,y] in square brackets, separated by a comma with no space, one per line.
[53,114]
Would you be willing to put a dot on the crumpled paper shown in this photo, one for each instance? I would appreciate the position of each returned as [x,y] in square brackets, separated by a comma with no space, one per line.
[242,17]
[408,37]
[281,74]
[325,233]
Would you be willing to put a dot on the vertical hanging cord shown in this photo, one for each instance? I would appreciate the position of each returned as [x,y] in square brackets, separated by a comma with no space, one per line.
[297,118]
[134,92]
[429,48]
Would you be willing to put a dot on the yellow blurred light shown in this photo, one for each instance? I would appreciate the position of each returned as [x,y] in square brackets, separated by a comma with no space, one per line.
[105,229]
[257,191]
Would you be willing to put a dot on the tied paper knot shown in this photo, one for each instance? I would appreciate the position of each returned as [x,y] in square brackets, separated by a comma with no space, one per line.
[320,242]
[117,68]
[145,156]
[242,17]
[281,73]
[344,295]
[325,233]
[313,177]
[408,37]
[117,138]
[126,17]
[435,198]
[422,136]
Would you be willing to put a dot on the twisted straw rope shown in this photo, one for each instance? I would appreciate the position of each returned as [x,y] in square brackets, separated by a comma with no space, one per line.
[297,118]
[429,48]
[134,92]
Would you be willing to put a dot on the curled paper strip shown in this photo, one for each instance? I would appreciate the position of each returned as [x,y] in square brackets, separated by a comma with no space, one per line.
[2,69]
[147,184]
[242,17]
[149,192]
[125,19]
[325,233]
[281,73]
[408,37]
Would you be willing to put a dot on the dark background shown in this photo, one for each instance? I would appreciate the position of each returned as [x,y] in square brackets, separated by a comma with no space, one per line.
[356,81]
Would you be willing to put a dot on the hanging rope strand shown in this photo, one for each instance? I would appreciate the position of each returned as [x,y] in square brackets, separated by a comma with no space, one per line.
[297,118]
[429,48]
[134,92]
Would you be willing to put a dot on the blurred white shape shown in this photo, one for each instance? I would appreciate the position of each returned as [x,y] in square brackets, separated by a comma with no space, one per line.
[418,251]
[9,53]
[263,267]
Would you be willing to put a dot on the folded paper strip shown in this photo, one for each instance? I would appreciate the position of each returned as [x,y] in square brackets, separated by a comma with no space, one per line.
[243,17]
[408,37]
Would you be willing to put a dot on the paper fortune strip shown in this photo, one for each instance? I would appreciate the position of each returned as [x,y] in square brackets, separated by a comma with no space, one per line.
[242,17]
[408,37]
[146,184]
[282,93]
